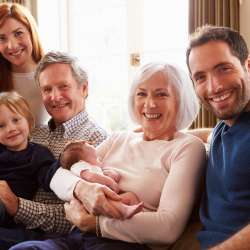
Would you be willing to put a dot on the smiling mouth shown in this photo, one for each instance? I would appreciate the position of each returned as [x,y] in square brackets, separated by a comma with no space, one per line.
[152,116]
[13,136]
[59,106]
[17,52]
[221,97]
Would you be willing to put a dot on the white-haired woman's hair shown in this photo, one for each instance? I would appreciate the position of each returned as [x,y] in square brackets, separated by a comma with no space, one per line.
[188,102]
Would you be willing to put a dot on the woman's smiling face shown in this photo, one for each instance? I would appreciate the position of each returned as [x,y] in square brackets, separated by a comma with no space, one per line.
[156,107]
[16,45]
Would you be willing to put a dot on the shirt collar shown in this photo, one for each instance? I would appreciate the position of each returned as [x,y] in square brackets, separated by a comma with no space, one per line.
[69,126]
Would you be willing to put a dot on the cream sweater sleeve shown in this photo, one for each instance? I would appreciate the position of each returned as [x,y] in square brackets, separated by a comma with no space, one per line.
[166,224]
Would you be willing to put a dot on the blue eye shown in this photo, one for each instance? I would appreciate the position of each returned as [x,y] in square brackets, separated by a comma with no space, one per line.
[18,33]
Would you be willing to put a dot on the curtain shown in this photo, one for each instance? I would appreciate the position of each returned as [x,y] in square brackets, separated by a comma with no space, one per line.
[30,4]
[215,12]
[13,1]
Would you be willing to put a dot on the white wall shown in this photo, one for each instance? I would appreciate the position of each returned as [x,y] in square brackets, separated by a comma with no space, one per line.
[245,20]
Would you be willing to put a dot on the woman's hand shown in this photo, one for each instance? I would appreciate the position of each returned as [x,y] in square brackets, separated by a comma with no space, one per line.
[77,215]
[114,175]
[106,179]
[94,198]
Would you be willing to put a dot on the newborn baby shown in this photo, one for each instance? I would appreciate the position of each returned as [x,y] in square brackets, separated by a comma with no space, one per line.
[81,159]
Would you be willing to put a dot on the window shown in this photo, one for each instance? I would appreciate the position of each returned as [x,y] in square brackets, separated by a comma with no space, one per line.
[104,35]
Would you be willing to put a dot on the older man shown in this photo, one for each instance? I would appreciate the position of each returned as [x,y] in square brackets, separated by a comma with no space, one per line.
[64,88]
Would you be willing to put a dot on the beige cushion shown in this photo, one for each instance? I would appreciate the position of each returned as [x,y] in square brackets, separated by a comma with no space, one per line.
[188,240]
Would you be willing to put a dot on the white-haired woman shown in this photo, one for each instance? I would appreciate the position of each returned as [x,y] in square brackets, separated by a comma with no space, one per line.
[161,165]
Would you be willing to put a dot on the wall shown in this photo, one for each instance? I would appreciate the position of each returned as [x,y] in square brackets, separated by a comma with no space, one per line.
[245,20]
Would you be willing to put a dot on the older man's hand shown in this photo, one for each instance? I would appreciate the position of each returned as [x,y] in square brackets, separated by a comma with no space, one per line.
[77,215]
[9,199]
[94,198]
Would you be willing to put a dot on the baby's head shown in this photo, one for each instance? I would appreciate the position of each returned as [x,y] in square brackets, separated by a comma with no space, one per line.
[77,151]
[16,120]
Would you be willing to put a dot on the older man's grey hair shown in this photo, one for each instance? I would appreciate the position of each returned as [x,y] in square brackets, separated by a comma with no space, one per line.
[53,57]
[188,102]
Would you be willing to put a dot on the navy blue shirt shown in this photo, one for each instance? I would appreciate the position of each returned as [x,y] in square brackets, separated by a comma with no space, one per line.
[225,208]
[28,169]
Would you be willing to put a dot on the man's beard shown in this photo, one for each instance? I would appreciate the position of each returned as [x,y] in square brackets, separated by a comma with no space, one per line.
[243,101]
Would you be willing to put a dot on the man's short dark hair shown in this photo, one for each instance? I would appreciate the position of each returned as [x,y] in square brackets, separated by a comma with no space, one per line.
[232,38]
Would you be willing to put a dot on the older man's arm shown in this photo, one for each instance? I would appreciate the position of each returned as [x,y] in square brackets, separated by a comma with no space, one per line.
[92,195]
[239,241]
[47,211]
[49,217]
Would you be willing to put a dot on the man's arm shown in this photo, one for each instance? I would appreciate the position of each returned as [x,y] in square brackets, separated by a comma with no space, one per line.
[48,217]
[47,168]
[239,241]
[92,195]
[32,214]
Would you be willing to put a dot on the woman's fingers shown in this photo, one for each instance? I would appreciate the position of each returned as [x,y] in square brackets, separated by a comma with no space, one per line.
[111,194]
[103,206]
[112,174]
[95,198]
[101,179]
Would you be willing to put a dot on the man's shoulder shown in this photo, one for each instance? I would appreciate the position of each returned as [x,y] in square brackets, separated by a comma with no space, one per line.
[217,130]
[97,129]
[91,131]
[44,129]
[93,125]
[97,135]
[39,134]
